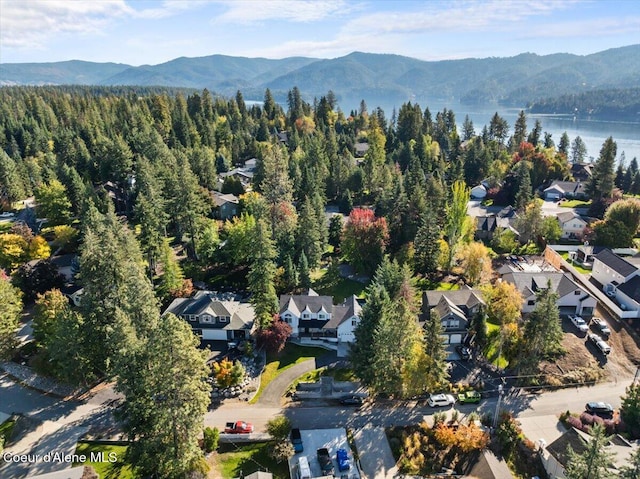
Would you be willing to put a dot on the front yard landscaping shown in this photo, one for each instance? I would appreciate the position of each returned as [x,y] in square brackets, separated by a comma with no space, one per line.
[575,204]
[241,460]
[290,356]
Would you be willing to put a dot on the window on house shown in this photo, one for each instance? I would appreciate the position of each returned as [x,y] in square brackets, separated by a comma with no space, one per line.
[206,318]
[224,319]
[321,316]
[306,316]
[354,322]
[576,292]
[531,302]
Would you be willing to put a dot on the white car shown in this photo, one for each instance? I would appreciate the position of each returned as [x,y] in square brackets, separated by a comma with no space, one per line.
[579,323]
[601,326]
[441,400]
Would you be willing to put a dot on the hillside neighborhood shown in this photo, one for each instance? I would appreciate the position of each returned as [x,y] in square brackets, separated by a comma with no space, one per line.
[196,287]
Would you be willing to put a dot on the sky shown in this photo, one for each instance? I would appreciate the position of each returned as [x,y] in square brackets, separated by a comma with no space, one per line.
[138,32]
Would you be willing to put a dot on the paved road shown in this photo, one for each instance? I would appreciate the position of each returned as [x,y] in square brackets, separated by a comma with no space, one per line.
[375,454]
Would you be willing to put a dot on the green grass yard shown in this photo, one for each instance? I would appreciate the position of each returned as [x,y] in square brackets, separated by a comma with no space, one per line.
[580,269]
[290,356]
[6,428]
[574,204]
[492,352]
[107,470]
[333,285]
[248,458]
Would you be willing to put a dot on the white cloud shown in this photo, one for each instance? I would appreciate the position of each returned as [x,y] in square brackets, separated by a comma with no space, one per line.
[247,12]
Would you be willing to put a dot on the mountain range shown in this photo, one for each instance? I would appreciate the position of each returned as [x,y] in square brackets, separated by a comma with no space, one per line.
[377,78]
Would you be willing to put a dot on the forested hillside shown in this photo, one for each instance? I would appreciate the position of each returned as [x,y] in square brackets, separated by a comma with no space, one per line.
[376,78]
[615,104]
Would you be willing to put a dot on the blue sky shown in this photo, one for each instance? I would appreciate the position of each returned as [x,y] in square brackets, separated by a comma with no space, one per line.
[140,32]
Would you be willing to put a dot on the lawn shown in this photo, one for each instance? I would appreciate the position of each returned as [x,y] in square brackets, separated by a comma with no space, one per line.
[338,374]
[6,428]
[244,459]
[290,356]
[107,470]
[447,287]
[574,204]
[333,285]
[580,269]
[493,349]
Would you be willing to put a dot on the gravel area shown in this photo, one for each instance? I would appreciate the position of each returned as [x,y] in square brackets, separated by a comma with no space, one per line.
[30,378]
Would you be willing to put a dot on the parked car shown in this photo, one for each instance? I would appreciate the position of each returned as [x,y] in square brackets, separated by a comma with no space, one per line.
[441,400]
[469,397]
[238,427]
[296,440]
[463,352]
[600,343]
[601,326]
[342,457]
[324,458]
[579,323]
[601,409]
[351,400]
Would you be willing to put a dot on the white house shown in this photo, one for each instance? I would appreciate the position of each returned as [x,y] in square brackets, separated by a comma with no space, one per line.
[312,315]
[572,225]
[573,299]
[619,277]
[215,317]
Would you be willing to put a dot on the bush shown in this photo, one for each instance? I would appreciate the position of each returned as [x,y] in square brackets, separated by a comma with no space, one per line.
[564,416]
[587,419]
[574,422]
[609,426]
[211,437]
[279,427]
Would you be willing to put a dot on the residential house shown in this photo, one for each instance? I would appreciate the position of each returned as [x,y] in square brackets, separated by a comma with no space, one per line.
[619,278]
[283,137]
[572,298]
[581,171]
[487,225]
[74,292]
[454,308]
[214,316]
[565,189]
[572,225]
[226,205]
[312,315]
[360,149]
[586,253]
[555,456]
[244,175]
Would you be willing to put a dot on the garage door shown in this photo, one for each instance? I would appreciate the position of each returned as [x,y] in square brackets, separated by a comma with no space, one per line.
[214,334]
[455,339]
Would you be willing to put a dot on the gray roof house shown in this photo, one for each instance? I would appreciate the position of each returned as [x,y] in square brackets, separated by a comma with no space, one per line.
[215,317]
[573,299]
[620,278]
[454,308]
[226,205]
[565,189]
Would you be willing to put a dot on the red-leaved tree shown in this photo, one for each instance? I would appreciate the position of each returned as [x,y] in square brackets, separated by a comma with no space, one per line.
[364,240]
[274,337]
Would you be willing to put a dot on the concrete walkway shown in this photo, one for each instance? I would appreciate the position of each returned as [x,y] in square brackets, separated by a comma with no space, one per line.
[375,454]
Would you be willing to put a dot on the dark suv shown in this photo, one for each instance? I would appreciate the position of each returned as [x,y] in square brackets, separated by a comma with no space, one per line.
[599,409]
[326,464]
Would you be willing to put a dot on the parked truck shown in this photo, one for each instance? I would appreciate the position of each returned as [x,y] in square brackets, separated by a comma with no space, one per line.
[296,440]
[326,464]
[238,427]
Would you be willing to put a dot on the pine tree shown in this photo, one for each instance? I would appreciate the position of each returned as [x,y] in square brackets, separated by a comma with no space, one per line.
[261,275]
[427,246]
[435,351]
[594,462]
[303,272]
[602,178]
[164,408]
[172,278]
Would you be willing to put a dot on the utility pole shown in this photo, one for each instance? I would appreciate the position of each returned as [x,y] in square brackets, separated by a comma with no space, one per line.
[495,416]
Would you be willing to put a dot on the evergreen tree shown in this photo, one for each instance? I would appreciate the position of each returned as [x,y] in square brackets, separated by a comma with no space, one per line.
[524,193]
[303,272]
[11,185]
[543,334]
[172,278]
[164,408]
[261,275]
[309,235]
[601,183]
[578,150]
[519,131]
[336,224]
[594,462]
[427,246]
[565,143]
[631,470]
[435,351]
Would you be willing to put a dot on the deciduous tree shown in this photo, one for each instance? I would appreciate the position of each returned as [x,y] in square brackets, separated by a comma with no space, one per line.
[273,337]
[364,240]
[456,214]
[10,309]
[53,203]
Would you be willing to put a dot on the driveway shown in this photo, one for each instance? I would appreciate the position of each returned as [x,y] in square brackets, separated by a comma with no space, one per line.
[376,459]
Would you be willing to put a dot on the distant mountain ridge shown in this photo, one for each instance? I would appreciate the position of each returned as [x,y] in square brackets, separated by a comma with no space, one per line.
[510,81]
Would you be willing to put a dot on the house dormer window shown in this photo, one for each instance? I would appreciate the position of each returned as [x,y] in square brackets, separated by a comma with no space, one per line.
[306,316]
[576,292]
[224,319]
[206,318]
[321,316]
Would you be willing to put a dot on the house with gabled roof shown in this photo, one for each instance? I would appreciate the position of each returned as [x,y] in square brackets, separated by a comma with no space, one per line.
[565,189]
[214,316]
[454,308]
[572,298]
[571,224]
[619,278]
[226,205]
[312,315]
